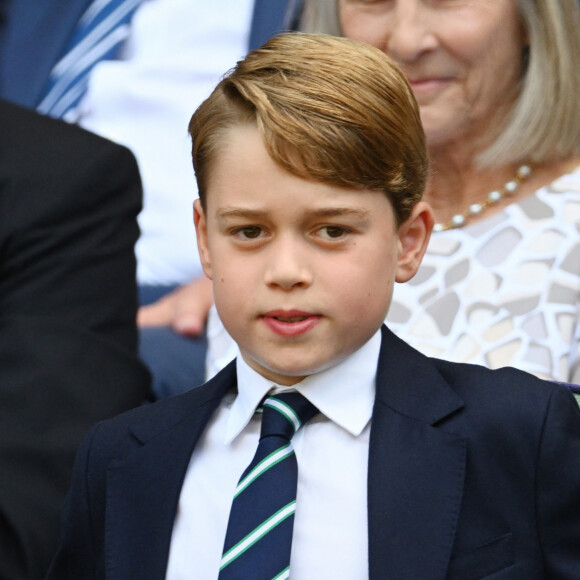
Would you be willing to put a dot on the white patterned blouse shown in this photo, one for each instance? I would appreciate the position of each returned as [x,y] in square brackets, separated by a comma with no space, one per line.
[504,291]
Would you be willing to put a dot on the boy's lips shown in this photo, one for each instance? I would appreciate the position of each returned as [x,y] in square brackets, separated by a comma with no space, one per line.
[290,322]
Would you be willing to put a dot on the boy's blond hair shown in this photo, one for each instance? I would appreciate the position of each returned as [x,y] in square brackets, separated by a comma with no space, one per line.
[329,109]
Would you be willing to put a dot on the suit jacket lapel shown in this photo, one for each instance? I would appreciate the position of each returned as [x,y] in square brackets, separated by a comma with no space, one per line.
[416,468]
[139,523]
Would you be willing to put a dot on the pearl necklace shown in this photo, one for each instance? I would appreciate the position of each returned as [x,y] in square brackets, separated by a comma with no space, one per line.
[509,188]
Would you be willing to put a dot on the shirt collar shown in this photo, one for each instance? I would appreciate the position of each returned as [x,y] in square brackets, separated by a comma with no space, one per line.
[344,393]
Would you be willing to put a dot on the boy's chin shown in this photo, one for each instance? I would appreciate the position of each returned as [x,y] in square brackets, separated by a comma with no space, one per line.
[289,374]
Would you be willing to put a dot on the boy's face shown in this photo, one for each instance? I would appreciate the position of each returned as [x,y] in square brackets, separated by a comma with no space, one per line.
[303,272]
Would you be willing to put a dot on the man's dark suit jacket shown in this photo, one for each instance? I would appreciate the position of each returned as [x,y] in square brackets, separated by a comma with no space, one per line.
[472,474]
[68,207]
[34,35]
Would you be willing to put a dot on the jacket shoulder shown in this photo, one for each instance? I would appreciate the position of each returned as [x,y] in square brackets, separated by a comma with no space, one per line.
[150,420]
[502,392]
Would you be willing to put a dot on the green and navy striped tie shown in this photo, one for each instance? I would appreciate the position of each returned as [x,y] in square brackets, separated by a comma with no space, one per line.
[259,534]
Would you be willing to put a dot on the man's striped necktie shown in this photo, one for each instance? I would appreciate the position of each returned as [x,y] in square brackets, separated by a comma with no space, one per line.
[259,534]
[99,35]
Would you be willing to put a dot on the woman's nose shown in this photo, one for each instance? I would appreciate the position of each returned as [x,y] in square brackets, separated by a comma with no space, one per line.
[408,31]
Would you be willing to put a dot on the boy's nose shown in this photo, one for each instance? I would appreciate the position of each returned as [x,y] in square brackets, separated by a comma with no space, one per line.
[288,268]
[407,31]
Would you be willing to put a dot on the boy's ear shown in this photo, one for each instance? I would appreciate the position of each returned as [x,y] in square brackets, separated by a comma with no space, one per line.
[201,234]
[414,234]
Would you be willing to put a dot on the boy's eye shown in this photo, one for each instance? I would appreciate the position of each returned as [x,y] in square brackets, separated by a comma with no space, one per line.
[333,232]
[249,232]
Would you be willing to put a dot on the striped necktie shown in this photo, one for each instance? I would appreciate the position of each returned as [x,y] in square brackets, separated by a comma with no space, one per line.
[259,534]
[99,35]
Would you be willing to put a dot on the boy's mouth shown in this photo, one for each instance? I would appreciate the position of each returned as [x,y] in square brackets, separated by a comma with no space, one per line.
[290,318]
[291,322]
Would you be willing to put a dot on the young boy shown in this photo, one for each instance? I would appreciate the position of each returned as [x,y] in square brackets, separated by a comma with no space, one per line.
[311,162]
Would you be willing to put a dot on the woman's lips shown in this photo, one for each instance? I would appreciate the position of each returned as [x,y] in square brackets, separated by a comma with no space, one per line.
[290,322]
[425,86]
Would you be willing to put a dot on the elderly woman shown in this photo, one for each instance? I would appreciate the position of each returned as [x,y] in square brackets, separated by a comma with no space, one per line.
[497,82]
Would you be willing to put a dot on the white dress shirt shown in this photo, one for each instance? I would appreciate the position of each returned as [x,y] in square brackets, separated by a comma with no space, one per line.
[330,528]
[176,53]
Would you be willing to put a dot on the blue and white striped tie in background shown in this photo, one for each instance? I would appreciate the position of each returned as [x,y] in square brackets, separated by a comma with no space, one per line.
[100,35]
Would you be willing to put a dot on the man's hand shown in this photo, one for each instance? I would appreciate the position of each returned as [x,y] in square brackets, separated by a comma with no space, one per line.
[185,309]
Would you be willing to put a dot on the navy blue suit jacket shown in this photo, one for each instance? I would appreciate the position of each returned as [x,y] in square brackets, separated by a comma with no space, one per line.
[472,474]
[34,34]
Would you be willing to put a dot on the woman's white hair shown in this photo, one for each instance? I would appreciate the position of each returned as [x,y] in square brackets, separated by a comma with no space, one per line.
[544,124]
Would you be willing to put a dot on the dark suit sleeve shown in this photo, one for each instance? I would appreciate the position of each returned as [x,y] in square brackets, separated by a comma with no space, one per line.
[68,207]
[558,485]
[80,552]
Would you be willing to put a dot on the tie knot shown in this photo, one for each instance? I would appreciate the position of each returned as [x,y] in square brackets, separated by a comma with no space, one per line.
[285,413]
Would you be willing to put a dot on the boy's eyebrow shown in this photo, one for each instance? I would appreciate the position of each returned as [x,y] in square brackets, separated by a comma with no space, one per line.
[341,211]
[227,212]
